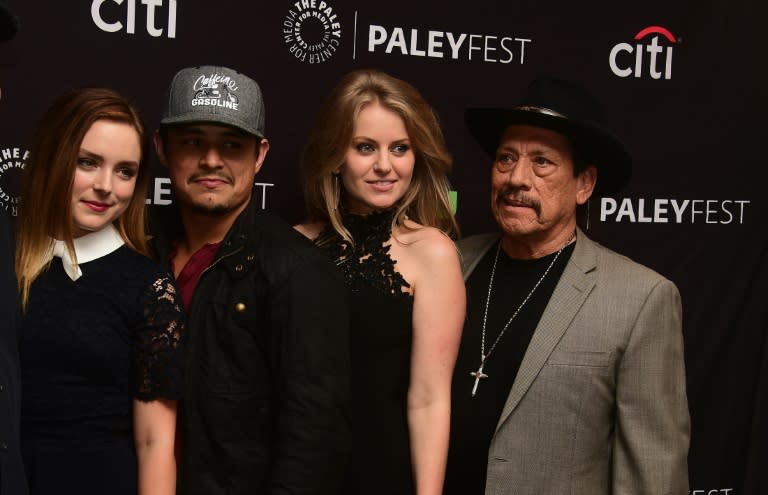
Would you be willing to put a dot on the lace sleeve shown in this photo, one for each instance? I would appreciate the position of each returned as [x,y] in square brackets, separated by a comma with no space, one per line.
[158,358]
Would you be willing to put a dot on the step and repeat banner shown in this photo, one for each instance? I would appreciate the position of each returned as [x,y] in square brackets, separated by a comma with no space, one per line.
[683,83]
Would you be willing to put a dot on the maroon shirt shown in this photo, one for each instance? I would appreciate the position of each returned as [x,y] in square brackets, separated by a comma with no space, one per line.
[190,274]
[186,283]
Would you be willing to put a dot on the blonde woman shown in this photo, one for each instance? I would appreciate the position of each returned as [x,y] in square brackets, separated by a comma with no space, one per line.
[374,174]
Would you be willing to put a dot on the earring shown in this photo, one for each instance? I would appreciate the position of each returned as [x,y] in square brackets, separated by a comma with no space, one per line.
[336,192]
[588,214]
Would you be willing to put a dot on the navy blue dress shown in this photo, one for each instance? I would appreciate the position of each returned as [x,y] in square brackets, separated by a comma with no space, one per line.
[88,349]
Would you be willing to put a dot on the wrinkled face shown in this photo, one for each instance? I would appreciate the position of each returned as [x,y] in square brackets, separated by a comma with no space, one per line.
[212,167]
[379,162]
[534,193]
[105,175]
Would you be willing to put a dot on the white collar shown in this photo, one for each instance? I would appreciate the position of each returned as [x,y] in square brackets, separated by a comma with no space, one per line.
[87,248]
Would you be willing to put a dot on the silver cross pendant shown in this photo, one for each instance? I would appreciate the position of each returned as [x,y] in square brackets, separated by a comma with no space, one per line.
[478,375]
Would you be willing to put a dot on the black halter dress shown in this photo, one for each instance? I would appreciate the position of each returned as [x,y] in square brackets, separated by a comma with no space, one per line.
[381,333]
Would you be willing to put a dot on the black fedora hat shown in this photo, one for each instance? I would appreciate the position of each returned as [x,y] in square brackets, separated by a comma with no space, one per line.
[8,23]
[567,108]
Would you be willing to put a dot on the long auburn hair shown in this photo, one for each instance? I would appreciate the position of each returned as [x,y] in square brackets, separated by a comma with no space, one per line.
[427,199]
[46,193]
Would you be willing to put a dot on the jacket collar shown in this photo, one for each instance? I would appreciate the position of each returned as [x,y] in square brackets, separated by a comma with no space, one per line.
[166,227]
[573,288]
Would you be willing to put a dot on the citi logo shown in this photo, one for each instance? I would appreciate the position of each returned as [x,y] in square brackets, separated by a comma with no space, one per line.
[650,56]
[110,18]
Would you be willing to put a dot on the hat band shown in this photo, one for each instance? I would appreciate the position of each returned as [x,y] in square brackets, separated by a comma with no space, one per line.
[542,110]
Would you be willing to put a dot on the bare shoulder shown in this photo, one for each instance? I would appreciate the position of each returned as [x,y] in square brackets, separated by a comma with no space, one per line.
[427,244]
[310,230]
[428,259]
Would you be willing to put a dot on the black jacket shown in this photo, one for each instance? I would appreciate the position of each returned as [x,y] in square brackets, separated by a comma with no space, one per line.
[268,365]
[12,481]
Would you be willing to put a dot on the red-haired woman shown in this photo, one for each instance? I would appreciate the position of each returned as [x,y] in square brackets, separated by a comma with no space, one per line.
[101,330]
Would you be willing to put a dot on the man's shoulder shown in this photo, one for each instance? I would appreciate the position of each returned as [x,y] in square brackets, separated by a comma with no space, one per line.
[613,264]
[271,229]
[477,241]
[282,246]
[473,248]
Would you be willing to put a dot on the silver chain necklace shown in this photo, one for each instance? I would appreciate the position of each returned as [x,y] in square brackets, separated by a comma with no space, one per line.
[479,375]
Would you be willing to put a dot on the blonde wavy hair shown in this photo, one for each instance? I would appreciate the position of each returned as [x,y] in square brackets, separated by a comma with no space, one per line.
[427,199]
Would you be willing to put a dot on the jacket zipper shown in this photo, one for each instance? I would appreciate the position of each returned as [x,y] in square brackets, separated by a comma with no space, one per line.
[215,262]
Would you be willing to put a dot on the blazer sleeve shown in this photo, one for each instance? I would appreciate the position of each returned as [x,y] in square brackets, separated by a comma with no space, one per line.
[652,420]
[311,326]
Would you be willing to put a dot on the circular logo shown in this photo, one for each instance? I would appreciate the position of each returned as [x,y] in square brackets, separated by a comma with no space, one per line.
[12,162]
[312,31]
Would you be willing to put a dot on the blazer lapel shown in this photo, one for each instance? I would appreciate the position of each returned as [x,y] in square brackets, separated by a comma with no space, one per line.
[571,291]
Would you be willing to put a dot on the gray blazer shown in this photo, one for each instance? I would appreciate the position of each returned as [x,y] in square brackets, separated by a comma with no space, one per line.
[599,404]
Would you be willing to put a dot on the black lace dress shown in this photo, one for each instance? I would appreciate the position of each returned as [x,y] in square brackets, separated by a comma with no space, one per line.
[381,332]
[88,348]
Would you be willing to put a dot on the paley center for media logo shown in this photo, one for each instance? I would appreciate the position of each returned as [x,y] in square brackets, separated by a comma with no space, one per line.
[12,162]
[312,31]
[649,56]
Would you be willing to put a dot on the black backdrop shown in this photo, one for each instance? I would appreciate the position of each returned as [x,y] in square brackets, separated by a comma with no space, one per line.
[683,82]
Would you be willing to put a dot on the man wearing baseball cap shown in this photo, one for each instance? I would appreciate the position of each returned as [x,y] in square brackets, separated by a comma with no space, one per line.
[570,374]
[12,479]
[267,350]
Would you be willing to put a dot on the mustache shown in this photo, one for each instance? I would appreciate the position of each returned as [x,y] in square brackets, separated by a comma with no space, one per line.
[217,173]
[509,193]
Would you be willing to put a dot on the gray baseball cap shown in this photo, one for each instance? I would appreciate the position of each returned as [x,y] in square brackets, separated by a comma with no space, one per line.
[211,94]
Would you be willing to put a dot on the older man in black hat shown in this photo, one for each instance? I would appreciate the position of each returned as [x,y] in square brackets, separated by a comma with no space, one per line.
[570,376]
[12,480]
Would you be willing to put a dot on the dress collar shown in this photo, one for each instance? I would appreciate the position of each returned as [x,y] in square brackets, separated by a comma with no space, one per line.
[376,223]
[87,248]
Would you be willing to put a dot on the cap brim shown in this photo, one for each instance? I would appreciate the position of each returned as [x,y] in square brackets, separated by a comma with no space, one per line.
[598,146]
[196,118]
